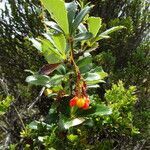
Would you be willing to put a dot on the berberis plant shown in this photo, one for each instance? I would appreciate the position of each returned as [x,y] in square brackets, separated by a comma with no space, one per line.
[71,35]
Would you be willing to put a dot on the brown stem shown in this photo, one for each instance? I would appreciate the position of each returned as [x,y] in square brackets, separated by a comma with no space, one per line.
[78,74]
[72,58]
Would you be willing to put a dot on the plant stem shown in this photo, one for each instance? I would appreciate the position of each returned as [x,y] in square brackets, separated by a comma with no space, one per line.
[72,58]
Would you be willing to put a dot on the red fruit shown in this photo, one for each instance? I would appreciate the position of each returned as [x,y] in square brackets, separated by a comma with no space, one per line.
[86,105]
[82,102]
[73,101]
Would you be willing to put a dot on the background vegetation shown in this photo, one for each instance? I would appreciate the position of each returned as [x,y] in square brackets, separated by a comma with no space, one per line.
[125,56]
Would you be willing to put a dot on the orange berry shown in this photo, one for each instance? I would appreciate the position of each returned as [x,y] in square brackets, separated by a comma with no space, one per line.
[87,102]
[80,102]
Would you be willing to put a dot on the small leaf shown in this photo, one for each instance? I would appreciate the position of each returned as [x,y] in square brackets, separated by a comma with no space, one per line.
[85,64]
[34,125]
[7,101]
[38,79]
[93,78]
[48,68]
[109,31]
[56,79]
[82,28]
[93,86]
[83,36]
[73,122]
[72,137]
[94,24]
[101,110]
[58,12]
[36,44]
[62,70]
[100,37]
[100,71]
[4,104]
[84,61]
[72,9]
[96,110]
[80,17]
[53,25]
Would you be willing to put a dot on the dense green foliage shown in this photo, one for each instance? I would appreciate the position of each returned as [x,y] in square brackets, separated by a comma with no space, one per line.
[125,56]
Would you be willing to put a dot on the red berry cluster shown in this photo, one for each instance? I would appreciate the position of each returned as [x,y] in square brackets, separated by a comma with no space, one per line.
[80,99]
[82,102]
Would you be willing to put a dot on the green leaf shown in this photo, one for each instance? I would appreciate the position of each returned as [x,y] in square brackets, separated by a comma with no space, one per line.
[99,110]
[60,43]
[82,28]
[73,122]
[3,109]
[53,25]
[93,86]
[62,70]
[85,68]
[57,43]
[100,71]
[72,9]
[4,104]
[96,110]
[93,78]
[38,79]
[84,61]
[85,64]
[109,31]
[83,36]
[80,17]
[94,24]
[72,137]
[56,79]
[34,125]
[58,12]
[50,53]
[36,44]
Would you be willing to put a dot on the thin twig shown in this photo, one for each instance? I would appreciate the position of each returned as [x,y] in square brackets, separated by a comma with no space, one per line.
[19,116]
[36,100]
